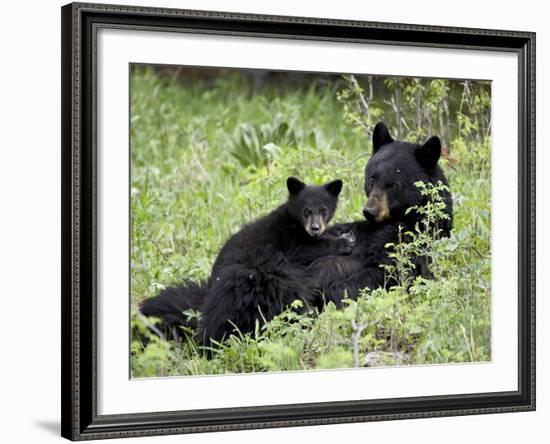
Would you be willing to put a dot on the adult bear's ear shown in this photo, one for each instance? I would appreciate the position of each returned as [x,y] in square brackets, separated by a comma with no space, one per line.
[380,136]
[334,187]
[294,185]
[429,153]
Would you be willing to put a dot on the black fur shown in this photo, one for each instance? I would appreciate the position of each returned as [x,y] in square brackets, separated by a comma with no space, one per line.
[257,285]
[169,305]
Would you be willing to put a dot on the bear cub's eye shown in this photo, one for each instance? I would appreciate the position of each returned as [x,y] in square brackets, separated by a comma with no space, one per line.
[307,212]
[323,211]
[395,186]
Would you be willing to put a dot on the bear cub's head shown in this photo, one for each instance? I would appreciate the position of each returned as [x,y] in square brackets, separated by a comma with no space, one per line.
[392,171]
[312,206]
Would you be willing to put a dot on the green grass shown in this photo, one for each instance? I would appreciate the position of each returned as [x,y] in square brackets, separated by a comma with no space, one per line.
[210,156]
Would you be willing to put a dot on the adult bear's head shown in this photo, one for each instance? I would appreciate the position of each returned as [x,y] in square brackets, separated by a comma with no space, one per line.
[391,174]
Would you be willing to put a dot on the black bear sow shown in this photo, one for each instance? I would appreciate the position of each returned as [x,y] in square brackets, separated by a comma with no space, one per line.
[257,272]
[390,177]
[391,174]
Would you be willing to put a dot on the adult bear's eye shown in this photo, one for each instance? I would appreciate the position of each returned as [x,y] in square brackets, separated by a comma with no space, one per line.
[307,212]
[395,186]
[323,211]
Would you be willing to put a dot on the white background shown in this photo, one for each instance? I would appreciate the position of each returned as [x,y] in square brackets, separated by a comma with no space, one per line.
[30,218]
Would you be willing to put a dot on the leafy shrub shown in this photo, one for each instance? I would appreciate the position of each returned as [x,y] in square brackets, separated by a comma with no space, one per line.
[257,144]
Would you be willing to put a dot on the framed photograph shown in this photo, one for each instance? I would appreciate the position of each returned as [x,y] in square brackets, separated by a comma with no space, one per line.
[278,221]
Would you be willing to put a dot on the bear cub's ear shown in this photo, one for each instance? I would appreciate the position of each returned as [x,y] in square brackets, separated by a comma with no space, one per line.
[380,136]
[429,153]
[294,185]
[334,187]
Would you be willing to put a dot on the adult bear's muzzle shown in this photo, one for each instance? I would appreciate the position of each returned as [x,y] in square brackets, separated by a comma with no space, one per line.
[377,208]
[370,213]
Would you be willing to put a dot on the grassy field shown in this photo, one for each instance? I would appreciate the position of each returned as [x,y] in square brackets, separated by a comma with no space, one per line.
[210,155]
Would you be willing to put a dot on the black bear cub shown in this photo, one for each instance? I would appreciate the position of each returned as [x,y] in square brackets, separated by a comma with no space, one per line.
[258,272]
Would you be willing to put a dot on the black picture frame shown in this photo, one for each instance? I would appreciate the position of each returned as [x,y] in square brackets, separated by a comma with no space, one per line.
[79,390]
